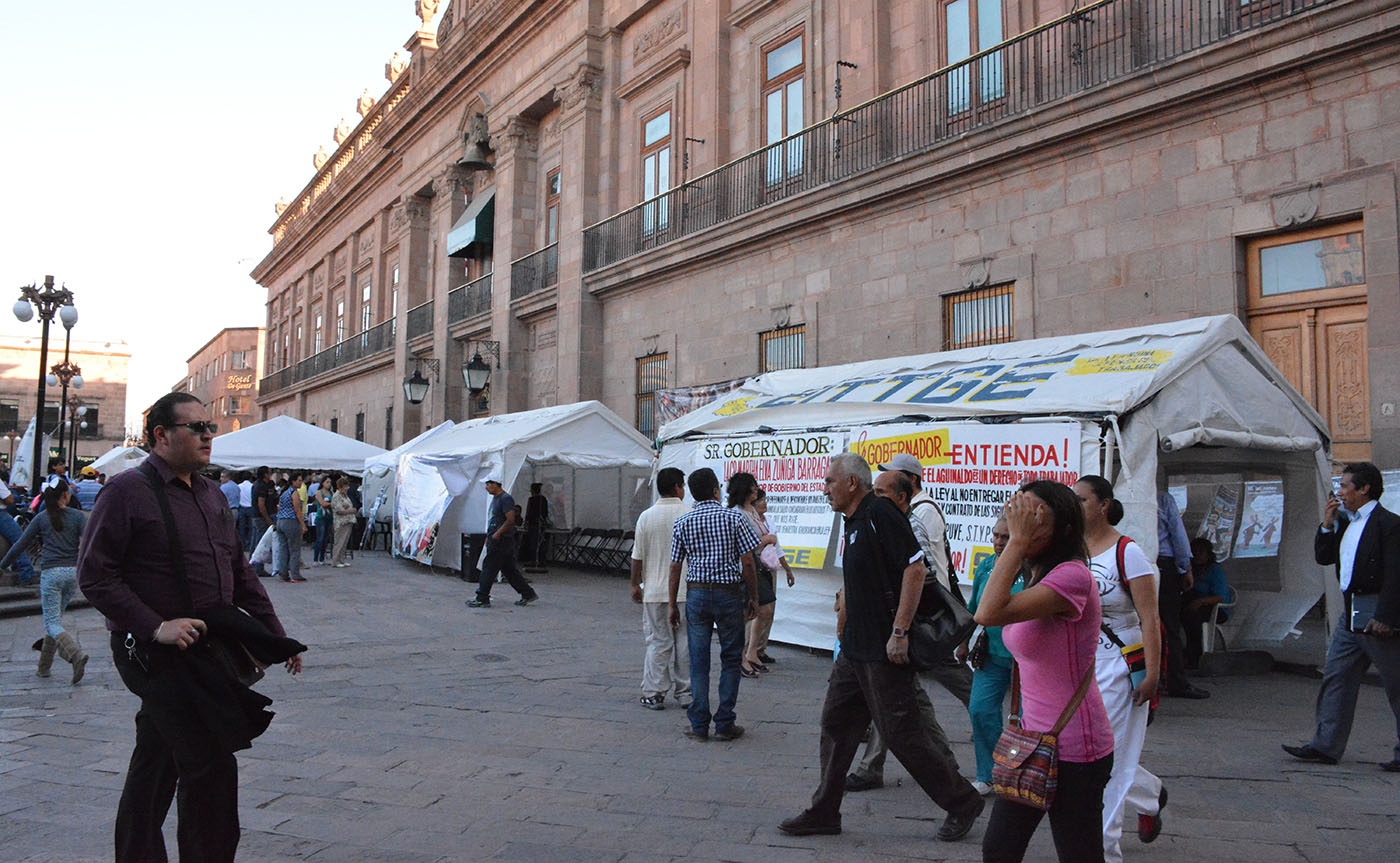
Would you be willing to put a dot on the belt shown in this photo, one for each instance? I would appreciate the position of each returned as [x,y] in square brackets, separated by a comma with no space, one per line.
[732,587]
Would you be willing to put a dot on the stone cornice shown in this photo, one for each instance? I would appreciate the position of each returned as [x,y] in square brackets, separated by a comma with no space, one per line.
[677,59]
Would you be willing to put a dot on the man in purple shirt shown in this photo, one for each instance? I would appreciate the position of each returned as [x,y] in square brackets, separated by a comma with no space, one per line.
[128,572]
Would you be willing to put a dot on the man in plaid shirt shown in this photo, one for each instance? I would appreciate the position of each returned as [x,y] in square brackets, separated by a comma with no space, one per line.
[721,593]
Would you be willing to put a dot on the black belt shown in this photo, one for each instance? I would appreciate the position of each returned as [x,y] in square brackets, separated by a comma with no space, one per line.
[734,587]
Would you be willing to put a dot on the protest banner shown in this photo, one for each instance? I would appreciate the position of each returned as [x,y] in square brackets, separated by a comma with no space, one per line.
[970,469]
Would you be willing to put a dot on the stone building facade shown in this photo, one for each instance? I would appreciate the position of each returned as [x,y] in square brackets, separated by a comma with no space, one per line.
[605,199]
[223,374]
[103,368]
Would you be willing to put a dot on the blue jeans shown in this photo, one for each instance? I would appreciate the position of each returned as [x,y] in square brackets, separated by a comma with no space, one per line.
[989,685]
[323,535]
[289,549]
[705,612]
[246,534]
[9,529]
[57,587]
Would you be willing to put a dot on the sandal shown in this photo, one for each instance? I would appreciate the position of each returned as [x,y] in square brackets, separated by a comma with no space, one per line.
[746,671]
[654,702]
[765,658]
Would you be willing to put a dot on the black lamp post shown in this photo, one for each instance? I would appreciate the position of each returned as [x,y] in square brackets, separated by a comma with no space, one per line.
[65,373]
[477,373]
[48,301]
[415,386]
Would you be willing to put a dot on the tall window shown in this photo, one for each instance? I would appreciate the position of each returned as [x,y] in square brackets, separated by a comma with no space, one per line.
[394,299]
[972,26]
[781,348]
[49,423]
[653,372]
[335,425]
[316,348]
[339,321]
[238,360]
[94,429]
[782,105]
[389,427]
[366,294]
[235,405]
[656,169]
[360,426]
[9,415]
[981,316]
[552,189]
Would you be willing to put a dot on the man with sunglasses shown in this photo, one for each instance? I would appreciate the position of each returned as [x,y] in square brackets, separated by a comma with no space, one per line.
[154,602]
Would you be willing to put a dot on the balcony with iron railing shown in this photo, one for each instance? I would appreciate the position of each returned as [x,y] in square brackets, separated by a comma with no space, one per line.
[420,320]
[375,340]
[1101,43]
[534,272]
[470,300]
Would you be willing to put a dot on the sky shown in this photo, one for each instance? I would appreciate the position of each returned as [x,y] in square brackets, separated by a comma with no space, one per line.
[146,144]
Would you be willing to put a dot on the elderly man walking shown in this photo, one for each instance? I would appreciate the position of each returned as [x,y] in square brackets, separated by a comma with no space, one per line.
[162,561]
[666,667]
[721,592]
[871,678]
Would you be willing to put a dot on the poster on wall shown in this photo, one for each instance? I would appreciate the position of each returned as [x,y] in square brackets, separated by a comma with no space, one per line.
[970,469]
[792,471]
[1219,526]
[420,500]
[1261,520]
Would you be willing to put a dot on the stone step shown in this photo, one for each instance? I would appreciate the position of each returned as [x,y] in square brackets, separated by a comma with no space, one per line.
[24,601]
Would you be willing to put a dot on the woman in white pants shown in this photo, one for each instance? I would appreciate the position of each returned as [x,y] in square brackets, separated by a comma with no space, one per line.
[1128,598]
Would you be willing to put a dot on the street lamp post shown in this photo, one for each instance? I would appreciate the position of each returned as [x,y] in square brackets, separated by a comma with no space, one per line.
[48,301]
[77,419]
[66,373]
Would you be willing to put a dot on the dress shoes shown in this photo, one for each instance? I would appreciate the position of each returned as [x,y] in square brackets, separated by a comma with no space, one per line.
[1307,753]
[1189,691]
[733,732]
[856,782]
[958,824]
[1391,766]
[809,824]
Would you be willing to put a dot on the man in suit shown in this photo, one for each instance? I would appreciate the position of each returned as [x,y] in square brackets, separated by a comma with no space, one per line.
[1364,543]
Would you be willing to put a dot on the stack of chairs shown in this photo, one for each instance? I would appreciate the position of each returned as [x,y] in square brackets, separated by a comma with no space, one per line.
[596,548]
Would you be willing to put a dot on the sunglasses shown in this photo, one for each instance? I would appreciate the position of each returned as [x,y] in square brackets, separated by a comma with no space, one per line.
[198,428]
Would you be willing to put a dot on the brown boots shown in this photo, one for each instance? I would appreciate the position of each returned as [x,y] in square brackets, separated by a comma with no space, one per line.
[46,656]
[69,650]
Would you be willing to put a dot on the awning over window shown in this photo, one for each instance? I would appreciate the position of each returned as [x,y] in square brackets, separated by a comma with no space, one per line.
[472,232]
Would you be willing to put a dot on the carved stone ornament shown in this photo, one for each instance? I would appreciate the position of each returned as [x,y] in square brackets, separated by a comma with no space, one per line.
[977,274]
[781,315]
[1296,206]
[342,131]
[448,183]
[396,65]
[398,219]
[517,134]
[320,158]
[662,32]
[582,85]
[280,206]
[651,345]
[365,104]
[416,210]
[425,10]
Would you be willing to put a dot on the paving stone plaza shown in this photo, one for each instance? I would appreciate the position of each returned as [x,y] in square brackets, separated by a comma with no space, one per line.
[424,731]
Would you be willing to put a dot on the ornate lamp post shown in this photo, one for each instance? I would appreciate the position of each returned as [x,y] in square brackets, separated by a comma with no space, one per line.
[65,373]
[77,414]
[48,301]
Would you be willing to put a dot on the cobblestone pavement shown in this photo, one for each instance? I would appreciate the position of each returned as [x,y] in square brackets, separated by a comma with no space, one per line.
[425,731]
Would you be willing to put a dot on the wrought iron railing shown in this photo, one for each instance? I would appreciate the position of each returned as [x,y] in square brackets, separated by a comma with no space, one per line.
[420,320]
[534,272]
[375,340]
[473,298]
[1089,47]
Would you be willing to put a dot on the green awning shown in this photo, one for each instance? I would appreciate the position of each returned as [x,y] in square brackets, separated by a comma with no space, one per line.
[473,230]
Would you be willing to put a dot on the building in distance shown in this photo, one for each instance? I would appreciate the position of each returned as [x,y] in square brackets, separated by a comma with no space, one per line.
[104,373]
[222,374]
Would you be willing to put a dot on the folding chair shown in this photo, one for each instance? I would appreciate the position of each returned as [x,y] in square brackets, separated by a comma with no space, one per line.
[1211,627]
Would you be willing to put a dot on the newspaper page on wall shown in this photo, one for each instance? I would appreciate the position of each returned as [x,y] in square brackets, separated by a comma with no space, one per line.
[1261,520]
[1219,525]
[970,469]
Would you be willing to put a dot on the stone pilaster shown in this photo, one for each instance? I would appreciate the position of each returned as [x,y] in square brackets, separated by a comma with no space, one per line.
[449,201]
[411,219]
[516,145]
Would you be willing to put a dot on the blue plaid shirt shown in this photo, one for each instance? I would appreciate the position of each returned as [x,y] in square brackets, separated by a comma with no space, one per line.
[712,539]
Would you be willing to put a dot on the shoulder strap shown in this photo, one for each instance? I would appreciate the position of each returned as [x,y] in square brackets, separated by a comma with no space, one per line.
[1074,702]
[1122,568]
[172,536]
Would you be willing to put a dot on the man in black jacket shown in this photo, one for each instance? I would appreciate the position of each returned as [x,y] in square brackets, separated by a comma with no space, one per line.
[1364,543]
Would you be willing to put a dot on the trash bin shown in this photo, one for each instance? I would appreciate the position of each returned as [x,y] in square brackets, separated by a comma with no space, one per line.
[472,544]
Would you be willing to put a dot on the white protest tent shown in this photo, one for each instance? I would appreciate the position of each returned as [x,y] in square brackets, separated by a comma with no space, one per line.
[594,468]
[285,442]
[380,471]
[1175,404]
[118,459]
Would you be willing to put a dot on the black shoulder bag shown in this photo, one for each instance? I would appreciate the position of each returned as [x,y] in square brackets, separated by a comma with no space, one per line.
[941,623]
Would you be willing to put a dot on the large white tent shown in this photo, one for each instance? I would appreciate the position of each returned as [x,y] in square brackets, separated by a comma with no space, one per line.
[1192,407]
[285,442]
[594,467]
[377,491]
[118,459]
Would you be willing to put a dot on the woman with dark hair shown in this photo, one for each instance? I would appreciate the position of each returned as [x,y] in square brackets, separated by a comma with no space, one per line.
[291,526]
[59,528]
[741,493]
[1128,597]
[1052,630]
[322,508]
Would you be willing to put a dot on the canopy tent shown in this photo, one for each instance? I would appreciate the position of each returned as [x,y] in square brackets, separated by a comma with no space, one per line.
[594,467]
[1194,407]
[377,491]
[118,459]
[285,442]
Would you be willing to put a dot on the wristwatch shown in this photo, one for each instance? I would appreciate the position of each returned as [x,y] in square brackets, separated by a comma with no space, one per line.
[900,632]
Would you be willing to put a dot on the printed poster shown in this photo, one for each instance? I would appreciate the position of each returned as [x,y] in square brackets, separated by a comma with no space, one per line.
[1261,520]
[971,469]
[1219,525]
[792,471]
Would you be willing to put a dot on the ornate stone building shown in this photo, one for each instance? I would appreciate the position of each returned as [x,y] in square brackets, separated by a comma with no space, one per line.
[223,375]
[606,199]
[103,366]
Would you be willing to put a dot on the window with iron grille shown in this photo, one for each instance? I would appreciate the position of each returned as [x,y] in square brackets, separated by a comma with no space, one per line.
[781,348]
[653,373]
[9,415]
[981,316]
[360,426]
[335,425]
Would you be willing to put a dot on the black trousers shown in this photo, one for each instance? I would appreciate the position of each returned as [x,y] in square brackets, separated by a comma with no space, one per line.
[500,558]
[1076,818]
[1169,608]
[175,758]
[858,693]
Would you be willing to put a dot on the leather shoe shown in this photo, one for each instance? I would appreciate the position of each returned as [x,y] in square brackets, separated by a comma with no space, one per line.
[1307,753]
[855,782]
[1391,766]
[808,824]
[733,732]
[957,825]
[1190,691]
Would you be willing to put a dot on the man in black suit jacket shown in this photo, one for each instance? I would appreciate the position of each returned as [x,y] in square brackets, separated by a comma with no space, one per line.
[1364,543]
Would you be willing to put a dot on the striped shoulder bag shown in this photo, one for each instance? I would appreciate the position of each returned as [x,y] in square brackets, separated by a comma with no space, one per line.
[1025,764]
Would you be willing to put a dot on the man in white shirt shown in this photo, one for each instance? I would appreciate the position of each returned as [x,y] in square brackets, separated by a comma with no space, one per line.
[666,667]
[246,530]
[1364,543]
[923,508]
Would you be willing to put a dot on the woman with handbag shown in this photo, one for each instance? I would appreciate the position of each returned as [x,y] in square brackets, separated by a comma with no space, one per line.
[741,492]
[772,557]
[991,668]
[59,528]
[1129,661]
[1051,629]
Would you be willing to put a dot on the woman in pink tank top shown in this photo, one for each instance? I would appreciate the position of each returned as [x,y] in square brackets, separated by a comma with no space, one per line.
[1052,630]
